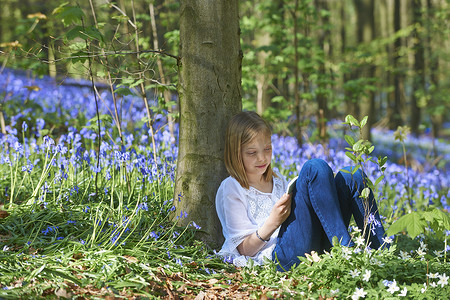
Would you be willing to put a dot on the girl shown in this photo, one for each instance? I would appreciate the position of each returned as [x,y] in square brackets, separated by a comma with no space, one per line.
[260,221]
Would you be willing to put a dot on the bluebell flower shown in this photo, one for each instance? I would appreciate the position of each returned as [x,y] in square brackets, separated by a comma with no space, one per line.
[196,226]
[178,261]
[48,141]
[49,230]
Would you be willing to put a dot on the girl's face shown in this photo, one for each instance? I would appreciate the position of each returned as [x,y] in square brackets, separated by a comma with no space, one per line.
[256,156]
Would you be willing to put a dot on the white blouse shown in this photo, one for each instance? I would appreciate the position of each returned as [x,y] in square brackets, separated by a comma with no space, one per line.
[241,212]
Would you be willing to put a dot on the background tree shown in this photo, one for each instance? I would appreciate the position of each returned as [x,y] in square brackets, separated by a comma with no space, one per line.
[419,67]
[210,93]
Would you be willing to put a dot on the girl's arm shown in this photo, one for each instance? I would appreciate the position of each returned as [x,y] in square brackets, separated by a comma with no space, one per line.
[280,211]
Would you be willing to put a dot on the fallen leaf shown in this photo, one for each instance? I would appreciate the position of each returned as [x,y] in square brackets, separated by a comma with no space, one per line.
[3,214]
[200,296]
[131,259]
[63,293]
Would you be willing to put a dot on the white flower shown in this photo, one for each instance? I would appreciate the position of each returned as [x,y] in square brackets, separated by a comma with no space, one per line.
[443,280]
[438,253]
[387,240]
[403,292]
[357,250]
[433,275]
[334,292]
[359,241]
[367,275]
[359,293]
[423,246]
[433,284]
[346,253]
[314,257]
[356,229]
[283,279]
[393,287]
[376,262]
[420,252]
[386,282]
[355,273]
[346,250]
[6,248]
[423,290]
[404,255]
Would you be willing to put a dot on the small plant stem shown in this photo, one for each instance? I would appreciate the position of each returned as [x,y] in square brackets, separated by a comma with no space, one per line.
[408,189]
[44,174]
[445,250]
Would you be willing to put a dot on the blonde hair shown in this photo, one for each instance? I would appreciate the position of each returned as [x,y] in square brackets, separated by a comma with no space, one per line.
[242,129]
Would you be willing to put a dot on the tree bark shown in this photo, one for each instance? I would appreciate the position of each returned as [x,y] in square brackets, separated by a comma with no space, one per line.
[210,94]
[365,34]
[419,68]
[322,101]
[263,79]
[395,118]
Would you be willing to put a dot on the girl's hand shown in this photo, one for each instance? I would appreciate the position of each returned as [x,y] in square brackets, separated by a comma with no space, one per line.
[280,211]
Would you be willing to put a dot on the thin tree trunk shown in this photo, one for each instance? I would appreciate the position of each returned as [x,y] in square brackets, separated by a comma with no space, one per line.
[322,106]
[419,68]
[164,81]
[263,79]
[436,117]
[298,109]
[395,118]
[210,94]
[366,33]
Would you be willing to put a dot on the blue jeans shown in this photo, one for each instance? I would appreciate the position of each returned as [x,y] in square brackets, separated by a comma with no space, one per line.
[322,206]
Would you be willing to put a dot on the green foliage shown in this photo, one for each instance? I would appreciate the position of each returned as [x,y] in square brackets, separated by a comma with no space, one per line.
[69,15]
[416,222]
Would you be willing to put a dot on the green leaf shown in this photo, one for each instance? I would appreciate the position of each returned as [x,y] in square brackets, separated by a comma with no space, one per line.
[94,33]
[437,215]
[69,14]
[364,121]
[413,222]
[365,193]
[63,275]
[351,156]
[357,147]
[123,91]
[349,119]
[355,169]
[137,82]
[37,271]
[349,140]
[106,119]
[79,56]
[379,179]
[382,160]
[75,32]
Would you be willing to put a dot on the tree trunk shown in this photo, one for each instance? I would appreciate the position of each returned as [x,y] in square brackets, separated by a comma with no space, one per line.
[419,68]
[210,94]
[347,76]
[365,34]
[322,103]
[437,117]
[263,79]
[395,118]
[298,107]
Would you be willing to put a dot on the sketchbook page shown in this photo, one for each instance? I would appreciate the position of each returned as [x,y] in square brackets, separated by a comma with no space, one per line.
[291,185]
